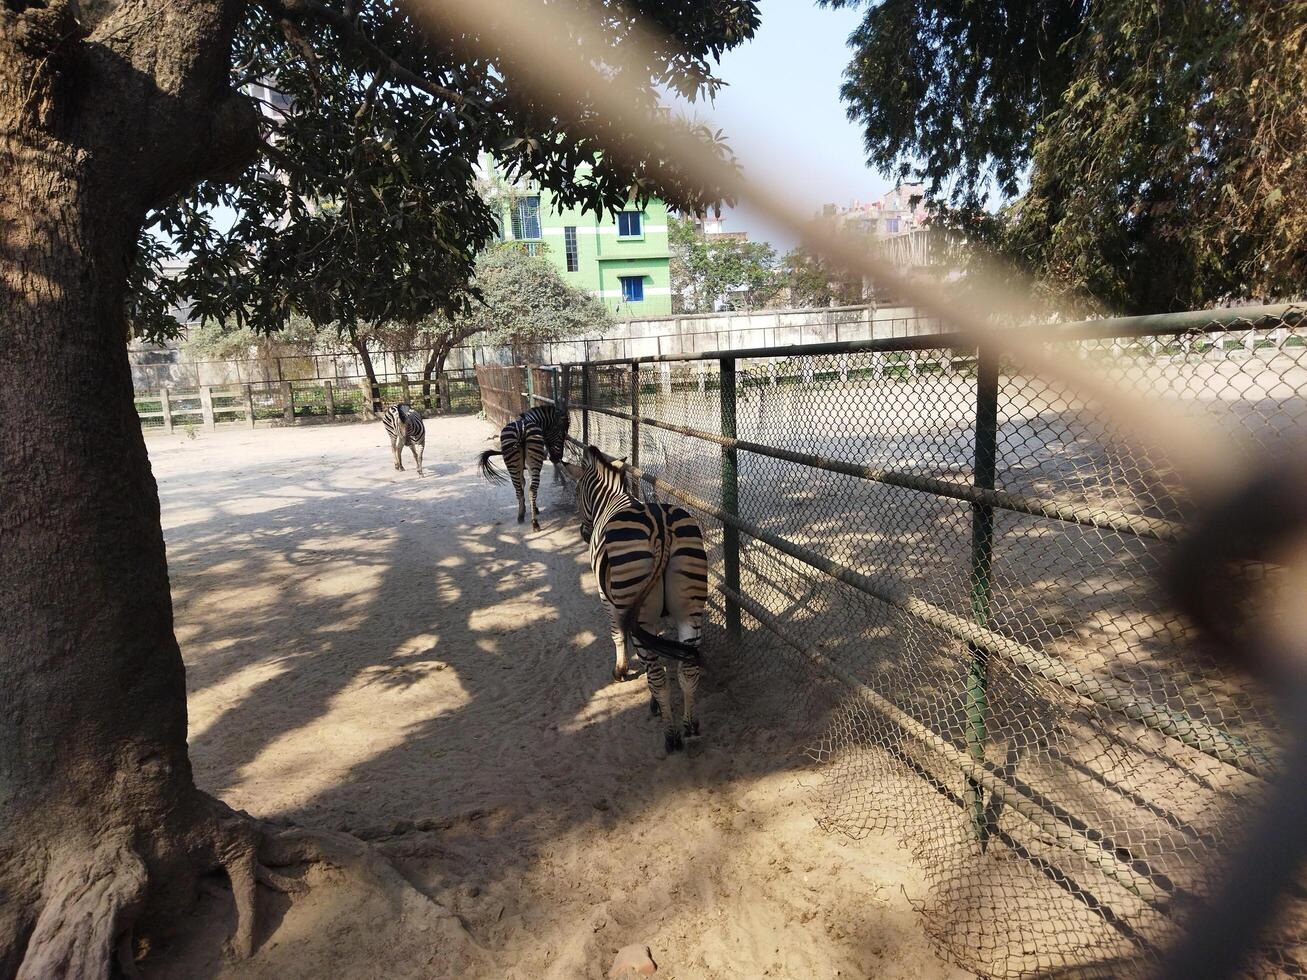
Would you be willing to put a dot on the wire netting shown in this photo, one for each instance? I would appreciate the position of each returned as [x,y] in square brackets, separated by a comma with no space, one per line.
[948,592]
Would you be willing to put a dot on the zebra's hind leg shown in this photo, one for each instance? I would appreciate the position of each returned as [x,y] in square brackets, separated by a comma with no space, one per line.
[619,644]
[521,499]
[662,696]
[687,672]
[396,449]
[535,492]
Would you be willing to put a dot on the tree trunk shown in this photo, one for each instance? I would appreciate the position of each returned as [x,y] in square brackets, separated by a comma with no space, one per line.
[361,348]
[435,365]
[102,830]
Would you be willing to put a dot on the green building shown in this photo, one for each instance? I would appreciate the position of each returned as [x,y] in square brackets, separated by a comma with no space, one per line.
[623,259]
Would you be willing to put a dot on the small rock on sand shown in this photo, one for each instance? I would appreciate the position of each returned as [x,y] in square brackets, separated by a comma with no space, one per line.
[632,961]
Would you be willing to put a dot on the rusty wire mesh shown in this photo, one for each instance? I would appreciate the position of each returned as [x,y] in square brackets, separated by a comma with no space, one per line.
[947,592]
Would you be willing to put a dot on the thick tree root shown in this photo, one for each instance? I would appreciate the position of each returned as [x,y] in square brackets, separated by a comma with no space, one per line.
[90,906]
[95,904]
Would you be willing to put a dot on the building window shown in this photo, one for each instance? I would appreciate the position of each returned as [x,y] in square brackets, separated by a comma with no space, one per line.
[632,288]
[891,226]
[628,224]
[569,248]
[531,248]
[526,217]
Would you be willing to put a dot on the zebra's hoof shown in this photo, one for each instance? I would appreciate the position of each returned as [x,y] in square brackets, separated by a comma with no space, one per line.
[535,525]
[672,742]
[654,708]
[692,728]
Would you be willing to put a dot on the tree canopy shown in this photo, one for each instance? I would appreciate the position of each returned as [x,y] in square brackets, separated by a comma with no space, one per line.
[810,280]
[524,301]
[364,205]
[1158,148]
[723,273]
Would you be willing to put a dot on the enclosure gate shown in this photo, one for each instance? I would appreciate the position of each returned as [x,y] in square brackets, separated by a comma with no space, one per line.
[952,564]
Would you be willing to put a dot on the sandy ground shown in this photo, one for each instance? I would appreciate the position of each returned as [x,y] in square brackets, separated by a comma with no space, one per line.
[396,659]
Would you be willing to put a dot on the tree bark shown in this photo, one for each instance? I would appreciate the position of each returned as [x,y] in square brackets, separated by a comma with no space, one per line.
[361,347]
[435,366]
[102,831]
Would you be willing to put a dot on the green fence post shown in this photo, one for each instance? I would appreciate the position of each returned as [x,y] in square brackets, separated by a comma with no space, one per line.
[635,413]
[585,403]
[982,557]
[730,495]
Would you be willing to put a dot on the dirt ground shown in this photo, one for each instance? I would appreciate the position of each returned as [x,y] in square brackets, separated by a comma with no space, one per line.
[396,659]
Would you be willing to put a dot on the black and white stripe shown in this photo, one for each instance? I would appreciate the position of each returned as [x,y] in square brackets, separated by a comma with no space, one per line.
[553,421]
[522,444]
[405,429]
[649,561]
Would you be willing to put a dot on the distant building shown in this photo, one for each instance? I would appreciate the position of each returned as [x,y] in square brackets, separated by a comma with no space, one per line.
[900,223]
[714,229]
[897,211]
[623,259]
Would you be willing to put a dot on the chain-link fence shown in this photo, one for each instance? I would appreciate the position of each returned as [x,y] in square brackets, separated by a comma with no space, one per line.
[940,572]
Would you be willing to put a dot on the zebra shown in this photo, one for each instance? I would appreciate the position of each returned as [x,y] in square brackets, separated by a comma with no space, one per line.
[522,444]
[649,561]
[405,429]
[553,421]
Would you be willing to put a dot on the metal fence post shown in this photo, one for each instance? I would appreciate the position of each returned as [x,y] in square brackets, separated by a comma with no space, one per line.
[287,402]
[206,407]
[330,396]
[635,413]
[730,495]
[249,406]
[530,389]
[585,402]
[982,558]
[166,407]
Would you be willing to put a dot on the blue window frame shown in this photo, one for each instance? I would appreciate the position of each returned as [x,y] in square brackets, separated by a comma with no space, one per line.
[632,288]
[526,217]
[628,224]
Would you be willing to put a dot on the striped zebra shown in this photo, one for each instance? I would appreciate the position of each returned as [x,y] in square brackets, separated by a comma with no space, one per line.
[522,444]
[649,561]
[553,421]
[405,429]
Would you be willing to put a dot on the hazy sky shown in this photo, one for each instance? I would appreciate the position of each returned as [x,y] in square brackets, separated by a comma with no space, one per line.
[783,115]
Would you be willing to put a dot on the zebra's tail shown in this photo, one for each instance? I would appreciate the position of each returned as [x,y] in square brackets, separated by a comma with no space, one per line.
[669,648]
[488,470]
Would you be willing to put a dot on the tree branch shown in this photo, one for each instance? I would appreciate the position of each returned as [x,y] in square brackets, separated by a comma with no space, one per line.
[348,32]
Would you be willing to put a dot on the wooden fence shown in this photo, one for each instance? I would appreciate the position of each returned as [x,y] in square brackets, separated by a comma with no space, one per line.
[294,402]
[508,390]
